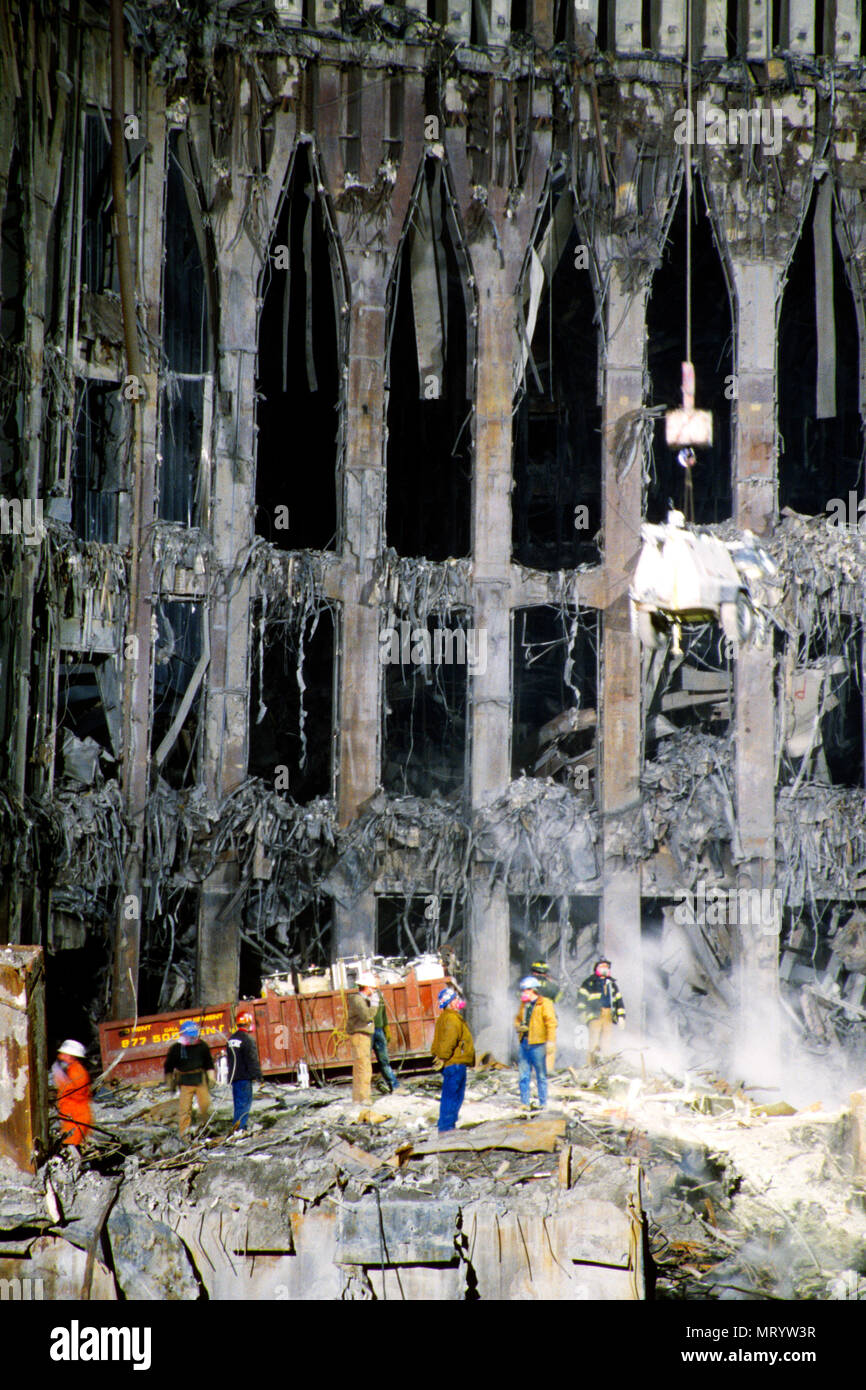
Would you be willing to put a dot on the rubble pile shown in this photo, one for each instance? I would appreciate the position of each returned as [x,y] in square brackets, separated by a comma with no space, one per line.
[323,1199]
[688,803]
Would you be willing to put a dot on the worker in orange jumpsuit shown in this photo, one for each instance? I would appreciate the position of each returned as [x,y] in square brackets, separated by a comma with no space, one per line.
[72,1080]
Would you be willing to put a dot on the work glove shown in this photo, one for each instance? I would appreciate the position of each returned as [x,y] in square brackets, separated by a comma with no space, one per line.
[550,1056]
[438,1064]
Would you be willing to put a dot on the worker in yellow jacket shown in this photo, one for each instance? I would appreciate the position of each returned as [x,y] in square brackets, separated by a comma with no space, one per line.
[536,1028]
[454,1051]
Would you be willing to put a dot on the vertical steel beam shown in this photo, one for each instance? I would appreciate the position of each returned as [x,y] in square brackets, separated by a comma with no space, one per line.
[620,722]
[23,1070]
[757,290]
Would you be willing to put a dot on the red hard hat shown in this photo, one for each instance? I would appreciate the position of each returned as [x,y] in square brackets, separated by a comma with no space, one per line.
[245,1021]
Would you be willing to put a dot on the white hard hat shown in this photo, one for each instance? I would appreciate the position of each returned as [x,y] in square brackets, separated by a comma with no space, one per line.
[528,982]
[73,1048]
[367,981]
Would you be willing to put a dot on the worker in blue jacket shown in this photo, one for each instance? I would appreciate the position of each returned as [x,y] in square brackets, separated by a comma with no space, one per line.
[244,1069]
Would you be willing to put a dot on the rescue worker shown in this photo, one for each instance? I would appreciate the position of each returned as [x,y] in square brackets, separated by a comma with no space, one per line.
[361,1012]
[535,1022]
[380,1044]
[453,1050]
[244,1069]
[190,1066]
[548,989]
[600,1006]
[72,1080]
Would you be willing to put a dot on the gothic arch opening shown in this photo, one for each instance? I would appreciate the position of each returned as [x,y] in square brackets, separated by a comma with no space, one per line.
[821,441]
[299,385]
[557,420]
[430,381]
[712,355]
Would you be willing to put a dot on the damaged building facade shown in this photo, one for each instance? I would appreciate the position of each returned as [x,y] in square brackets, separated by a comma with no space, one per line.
[334,346]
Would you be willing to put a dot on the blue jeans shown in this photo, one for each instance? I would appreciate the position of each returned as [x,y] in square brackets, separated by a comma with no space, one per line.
[533,1059]
[453,1091]
[242,1099]
[380,1047]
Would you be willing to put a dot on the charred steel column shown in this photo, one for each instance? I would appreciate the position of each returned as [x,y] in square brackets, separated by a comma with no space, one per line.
[23,1092]
[499,231]
[238,270]
[490,691]
[371,208]
[136,663]
[620,722]
[756,940]
[363,526]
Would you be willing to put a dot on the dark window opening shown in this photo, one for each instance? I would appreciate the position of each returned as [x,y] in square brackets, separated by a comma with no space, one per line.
[282,929]
[822,697]
[176,664]
[732,28]
[604,26]
[429,448]
[299,383]
[169,942]
[291,706]
[821,447]
[692,690]
[555,684]
[563,21]
[98,268]
[519,16]
[425,704]
[88,720]
[777,23]
[98,461]
[646,24]
[557,425]
[417,925]
[186,341]
[821,36]
[712,355]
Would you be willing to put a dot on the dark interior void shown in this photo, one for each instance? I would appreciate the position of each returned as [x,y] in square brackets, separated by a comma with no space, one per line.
[98,462]
[561,931]
[425,705]
[555,681]
[299,375]
[557,428]
[712,355]
[692,691]
[178,649]
[415,925]
[85,688]
[169,937]
[429,447]
[820,459]
[77,987]
[98,262]
[291,707]
[12,284]
[186,341]
[280,933]
[823,701]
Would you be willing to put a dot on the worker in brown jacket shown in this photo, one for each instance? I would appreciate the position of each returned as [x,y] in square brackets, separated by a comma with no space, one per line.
[454,1050]
[361,1011]
[536,1028]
